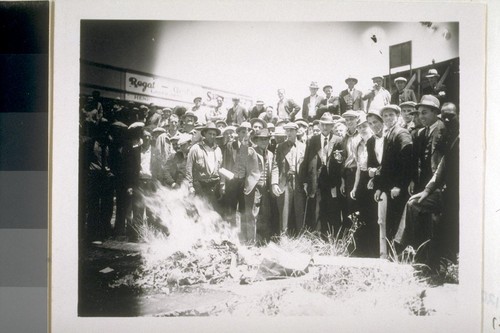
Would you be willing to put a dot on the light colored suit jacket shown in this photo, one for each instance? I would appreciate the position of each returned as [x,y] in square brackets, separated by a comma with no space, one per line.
[283,161]
[254,169]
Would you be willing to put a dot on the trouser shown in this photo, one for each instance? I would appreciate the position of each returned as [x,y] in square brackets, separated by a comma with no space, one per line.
[99,204]
[234,200]
[257,228]
[123,205]
[209,190]
[291,204]
[145,188]
[348,205]
[367,234]
[329,213]
[395,208]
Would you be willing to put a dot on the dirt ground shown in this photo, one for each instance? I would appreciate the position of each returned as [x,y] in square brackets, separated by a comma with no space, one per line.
[100,295]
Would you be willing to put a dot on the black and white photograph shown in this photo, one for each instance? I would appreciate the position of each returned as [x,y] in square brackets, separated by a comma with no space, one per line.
[269,169]
[244,168]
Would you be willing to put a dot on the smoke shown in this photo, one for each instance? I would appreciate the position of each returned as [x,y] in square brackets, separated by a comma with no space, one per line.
[190,220]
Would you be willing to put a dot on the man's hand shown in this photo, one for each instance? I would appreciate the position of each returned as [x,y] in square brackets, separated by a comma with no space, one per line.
[276,190]
[353,194]
[191,190]
[370,184]
[411,187]
[371,172]
[421,196]
[376,196]
[130,191]
[342,188]
[395,192]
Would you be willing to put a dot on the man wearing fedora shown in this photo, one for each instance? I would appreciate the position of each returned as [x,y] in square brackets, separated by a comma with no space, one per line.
[311,103]
[378,96]
[402,94]
[351,98]
[395,168]
[235,156]
[440,196]
[435,87]
[258,170]
[407,115]
[320,173]
[286,108]
[202,166]
[330,103]
[237,113]
[430,142]
[286,186]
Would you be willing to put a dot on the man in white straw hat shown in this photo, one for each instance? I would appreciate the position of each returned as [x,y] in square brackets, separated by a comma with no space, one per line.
[395,169]
[436,86]
[351,98]
[320,175]
[311,103]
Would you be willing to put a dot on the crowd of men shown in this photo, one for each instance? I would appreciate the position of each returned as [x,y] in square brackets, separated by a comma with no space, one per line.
[390,161]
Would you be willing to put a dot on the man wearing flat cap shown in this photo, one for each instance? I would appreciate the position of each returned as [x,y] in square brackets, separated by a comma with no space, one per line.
[402,94]
[330,103]
[351,98]
[378,96]
[258,170]
[202,167]
[286,108]
[286,185]
[395,169]
[237,114]
[311,103]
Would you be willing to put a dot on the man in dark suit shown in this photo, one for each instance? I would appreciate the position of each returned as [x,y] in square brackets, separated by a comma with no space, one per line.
[286,108]
[237,114]
[320,173]
[351,98]
[312,103]
[395,169]
[430,143]
[441,195]
[330,103]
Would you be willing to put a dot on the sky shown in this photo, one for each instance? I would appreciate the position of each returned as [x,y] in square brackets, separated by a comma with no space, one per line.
[257,58]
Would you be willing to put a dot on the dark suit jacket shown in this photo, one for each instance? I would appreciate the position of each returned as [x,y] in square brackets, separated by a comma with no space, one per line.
[372,161]
[310,171]
[333,109]
[405,96]
[291,107]
[305,107]
[351,103]
[234,158]
[395,168]
[428,153]
[236,115]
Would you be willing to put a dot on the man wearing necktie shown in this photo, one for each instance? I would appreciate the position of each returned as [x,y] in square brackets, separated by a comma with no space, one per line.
[286,186]
[320,175]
